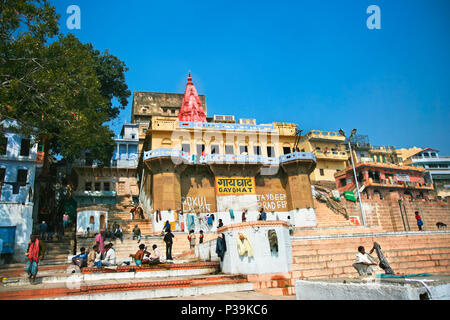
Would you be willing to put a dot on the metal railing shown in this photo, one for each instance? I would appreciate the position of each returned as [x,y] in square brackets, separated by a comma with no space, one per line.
[226,126]
[227,158]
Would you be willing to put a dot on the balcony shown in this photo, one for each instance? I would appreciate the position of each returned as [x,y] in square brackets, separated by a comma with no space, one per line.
[328,136]
[399,184]
[96,194]
[227,126]
[331,155]
[185,157]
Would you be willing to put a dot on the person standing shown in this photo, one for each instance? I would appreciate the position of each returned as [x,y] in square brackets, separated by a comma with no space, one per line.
[100,241]
[244,215]
[34,253]
[168,239]
[419,220]
[191,238]
[65,220]
[262,215]
[201,236]
[43,229]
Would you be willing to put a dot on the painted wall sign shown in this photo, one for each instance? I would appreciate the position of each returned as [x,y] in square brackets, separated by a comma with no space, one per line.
[235,185]
[402,177]
[354,220]
[270,201]
[192,204]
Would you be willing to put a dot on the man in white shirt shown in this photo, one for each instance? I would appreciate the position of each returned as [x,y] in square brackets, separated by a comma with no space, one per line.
[110,256]
[364,263]
[156,255]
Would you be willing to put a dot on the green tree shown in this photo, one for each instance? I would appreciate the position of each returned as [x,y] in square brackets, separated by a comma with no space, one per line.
[61,92]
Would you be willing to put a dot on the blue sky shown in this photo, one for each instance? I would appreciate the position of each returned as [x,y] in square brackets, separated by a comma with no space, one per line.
[314,63]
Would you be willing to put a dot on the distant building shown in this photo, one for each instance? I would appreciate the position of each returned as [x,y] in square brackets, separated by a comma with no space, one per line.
[383,180]
[329,149]
[17,177]
[437,169]
[147,105]
[114,184]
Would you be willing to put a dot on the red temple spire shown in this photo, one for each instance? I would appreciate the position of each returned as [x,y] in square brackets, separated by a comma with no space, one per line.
[191,107]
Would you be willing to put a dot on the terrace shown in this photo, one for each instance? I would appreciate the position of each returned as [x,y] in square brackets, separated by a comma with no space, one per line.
[186,157]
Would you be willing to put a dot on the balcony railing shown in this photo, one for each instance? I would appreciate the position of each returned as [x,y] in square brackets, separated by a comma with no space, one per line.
[95,193]
[227,158]
[227,126]
[330,154]
[399,184]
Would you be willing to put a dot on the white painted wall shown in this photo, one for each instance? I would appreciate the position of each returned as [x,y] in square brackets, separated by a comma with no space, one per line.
[83,218]
[20,216]
[263,261]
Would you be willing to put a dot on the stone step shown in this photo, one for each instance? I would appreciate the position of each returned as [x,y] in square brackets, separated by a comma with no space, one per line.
[144,289]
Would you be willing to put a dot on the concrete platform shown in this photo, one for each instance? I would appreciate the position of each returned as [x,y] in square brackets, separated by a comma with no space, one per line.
[369,288]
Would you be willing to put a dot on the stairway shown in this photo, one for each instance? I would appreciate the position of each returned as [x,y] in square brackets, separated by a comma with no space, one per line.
[332,256]
[161,281]
[123,249]
[57,251]
[123,218]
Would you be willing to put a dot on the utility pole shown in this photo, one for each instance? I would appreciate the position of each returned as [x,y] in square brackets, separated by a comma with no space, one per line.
[341,132]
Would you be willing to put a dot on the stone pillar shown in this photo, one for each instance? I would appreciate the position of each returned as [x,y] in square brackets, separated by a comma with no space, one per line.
[298,184]
[166,187]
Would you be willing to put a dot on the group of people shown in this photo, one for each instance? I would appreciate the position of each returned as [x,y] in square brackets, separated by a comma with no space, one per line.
[143,257]
[96,258]
[114,232]
[48,230]
[137,211]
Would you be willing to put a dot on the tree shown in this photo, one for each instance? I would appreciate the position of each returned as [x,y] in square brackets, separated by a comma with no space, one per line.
[61,92]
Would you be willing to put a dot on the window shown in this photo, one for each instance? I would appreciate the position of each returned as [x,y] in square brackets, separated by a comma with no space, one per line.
[186,148]
[88,186]
[243,149]
[286,150]
[106,186]
[3,144]
[215,149]
[433,155]
[270,152]
[22,175]
[229,149]
[133,136]
[98,186]
[200,149]
[2,175]
[322,173]
[25,147]
[257,150]
[343,182]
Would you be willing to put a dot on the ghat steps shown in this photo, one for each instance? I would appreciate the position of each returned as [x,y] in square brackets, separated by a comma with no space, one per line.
[332,256]
[128,246]
[146,283]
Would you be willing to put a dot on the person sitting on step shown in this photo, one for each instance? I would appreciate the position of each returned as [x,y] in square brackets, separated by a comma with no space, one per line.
[156,255]
[110,256]
[80,260]
[137,233]
[364,263]
[139,255]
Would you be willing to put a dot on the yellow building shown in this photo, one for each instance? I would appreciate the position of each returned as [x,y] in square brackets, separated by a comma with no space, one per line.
[404,153]
[329,149]
[213,165]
